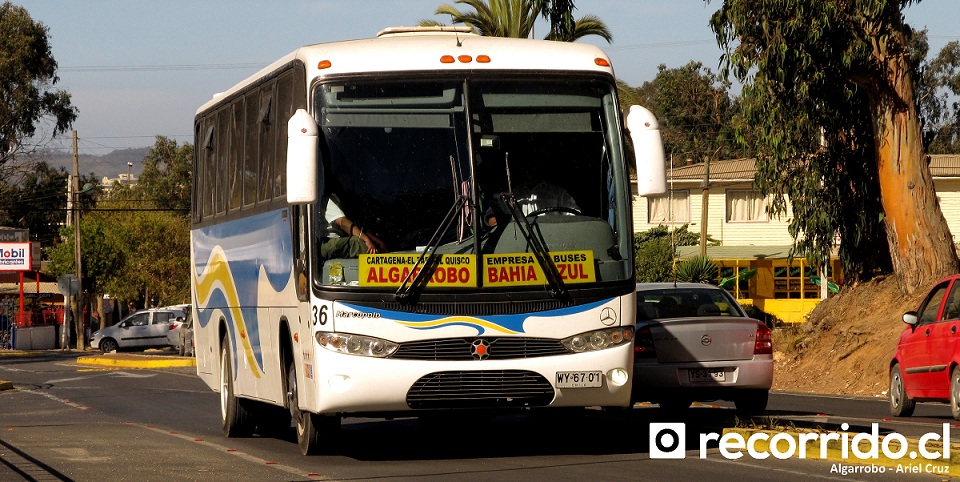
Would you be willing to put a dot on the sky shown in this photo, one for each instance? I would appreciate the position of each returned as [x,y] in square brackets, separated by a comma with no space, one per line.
[140,68]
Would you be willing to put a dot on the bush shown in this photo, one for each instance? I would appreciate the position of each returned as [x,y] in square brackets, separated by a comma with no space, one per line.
[656,250]
[699,269]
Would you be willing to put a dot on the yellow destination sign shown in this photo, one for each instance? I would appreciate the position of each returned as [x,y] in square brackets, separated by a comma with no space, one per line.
[522,269]
[454,270]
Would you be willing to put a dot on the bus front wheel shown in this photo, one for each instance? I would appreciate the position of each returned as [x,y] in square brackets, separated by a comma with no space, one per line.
[311,428]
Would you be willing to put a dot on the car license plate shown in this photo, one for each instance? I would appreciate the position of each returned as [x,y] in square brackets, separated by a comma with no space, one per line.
[590,379]
[706,375]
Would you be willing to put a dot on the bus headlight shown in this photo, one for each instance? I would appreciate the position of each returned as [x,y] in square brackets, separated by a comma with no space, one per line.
[356,344]
[599,339]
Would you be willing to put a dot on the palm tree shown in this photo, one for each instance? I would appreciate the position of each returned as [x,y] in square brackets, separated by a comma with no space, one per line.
[585,25]
[515,18]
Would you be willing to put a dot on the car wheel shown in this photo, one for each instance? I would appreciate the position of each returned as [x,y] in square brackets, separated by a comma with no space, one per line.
[108,345]
[311,428]
[234,416]
[901,405]
[752,402]
[955,392]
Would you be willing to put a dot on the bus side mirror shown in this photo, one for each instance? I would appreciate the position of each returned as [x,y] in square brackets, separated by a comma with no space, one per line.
[302,158]
[648,149]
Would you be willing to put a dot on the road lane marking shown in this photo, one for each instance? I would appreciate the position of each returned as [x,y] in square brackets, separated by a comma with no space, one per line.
[243,455]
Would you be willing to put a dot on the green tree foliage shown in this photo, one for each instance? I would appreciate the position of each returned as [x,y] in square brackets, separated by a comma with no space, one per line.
[27,75]
[516,19]
[941,80]
[136,241]
[695,111]
[35,200]
[167,175]
[656,249]
[828,86]
[560,15]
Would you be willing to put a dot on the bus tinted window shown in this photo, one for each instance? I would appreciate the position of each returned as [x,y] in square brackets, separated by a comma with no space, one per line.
[396,161]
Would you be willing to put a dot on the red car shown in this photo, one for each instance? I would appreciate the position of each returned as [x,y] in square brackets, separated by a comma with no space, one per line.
[926,366]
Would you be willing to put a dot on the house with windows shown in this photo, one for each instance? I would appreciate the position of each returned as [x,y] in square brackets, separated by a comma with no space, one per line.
[754,252]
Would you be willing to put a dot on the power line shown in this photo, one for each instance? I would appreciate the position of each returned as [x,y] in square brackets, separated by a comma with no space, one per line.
[161,68]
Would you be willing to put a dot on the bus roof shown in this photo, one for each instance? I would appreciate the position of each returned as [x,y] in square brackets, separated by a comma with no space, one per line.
[401,49]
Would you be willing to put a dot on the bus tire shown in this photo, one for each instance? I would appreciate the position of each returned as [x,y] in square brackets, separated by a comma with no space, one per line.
[235,419]
[311,428]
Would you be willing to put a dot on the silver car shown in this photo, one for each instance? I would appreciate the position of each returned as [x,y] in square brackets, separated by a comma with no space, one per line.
[694,342]
[150,328]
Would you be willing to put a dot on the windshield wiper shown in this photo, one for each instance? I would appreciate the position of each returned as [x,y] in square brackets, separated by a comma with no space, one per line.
[538,247]
[535,241]
[410,289]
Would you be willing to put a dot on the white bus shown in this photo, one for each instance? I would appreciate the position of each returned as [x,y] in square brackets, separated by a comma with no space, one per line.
[440,283]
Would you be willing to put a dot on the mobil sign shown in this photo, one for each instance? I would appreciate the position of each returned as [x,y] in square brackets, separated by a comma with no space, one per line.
[15,257]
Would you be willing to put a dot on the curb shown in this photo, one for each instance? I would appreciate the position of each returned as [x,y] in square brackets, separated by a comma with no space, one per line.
[134,362]
[910,463]
[5,385]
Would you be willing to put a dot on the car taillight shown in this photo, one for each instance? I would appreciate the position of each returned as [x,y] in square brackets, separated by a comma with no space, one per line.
[173,326]
[643,344]
[764,343]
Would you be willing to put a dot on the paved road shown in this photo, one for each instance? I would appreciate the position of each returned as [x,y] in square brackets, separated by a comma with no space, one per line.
[66,420]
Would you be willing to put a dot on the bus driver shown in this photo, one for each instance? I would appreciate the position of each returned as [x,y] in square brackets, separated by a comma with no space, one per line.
[344,238]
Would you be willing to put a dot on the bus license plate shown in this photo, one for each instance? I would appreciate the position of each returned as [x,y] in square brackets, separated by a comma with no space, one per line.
[579,379]
[706,376]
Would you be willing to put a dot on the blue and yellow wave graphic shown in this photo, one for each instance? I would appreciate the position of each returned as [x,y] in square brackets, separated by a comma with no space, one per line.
[218,279]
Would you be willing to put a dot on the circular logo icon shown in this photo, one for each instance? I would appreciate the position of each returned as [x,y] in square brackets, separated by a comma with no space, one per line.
[705,340]
[480,349]
[608,316]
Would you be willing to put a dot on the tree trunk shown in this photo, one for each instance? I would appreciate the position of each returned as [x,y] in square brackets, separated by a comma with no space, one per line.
[921,246]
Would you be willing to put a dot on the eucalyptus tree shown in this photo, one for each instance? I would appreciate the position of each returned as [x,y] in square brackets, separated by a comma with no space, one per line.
[942,86]
[28,73]
[830,88]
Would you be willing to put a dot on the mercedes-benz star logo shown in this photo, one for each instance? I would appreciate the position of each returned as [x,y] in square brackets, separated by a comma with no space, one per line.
[608,316]
[705,340]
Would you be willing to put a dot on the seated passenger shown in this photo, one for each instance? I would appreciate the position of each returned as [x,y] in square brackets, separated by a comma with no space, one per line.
[343,238]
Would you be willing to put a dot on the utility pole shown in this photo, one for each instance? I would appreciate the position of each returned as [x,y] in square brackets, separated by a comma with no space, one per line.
[78,318]
[705,204]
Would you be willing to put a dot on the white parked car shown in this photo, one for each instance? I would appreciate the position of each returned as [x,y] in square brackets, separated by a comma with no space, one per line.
[694,342]
[150,328]
[185,340]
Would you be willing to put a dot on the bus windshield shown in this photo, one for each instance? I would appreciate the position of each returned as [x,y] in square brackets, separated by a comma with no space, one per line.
[480,172]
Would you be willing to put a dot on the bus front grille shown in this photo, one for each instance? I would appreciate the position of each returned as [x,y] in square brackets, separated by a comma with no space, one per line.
[480,390]
[464,349]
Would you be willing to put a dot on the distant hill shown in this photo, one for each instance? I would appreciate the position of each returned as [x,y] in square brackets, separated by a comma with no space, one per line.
[109,165]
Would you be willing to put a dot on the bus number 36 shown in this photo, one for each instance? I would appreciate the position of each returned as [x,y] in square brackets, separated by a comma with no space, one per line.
[319,315]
